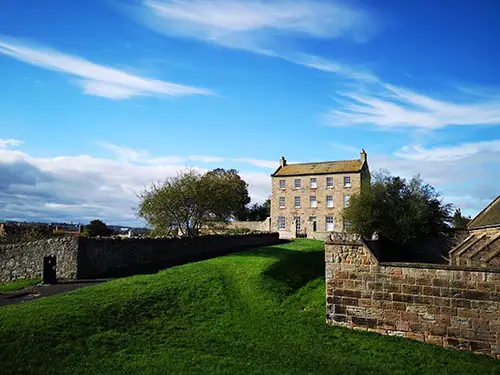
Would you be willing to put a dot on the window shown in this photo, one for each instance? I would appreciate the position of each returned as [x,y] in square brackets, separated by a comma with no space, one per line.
[347,225]
[329,182]
[312,200]
[313,183]
[346,200]
[329,223]
[296,220]
[282,184]
[298,183]
[281,222]
[314,223]
[296,201]
[347,181]
[282,202]
[329,201]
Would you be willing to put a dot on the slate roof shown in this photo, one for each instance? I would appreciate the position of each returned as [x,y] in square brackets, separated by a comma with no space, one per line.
[489,217]
[326,167]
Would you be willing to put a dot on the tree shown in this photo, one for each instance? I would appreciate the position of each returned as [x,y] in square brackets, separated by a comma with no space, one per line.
[256,212]
[403,213]
[191,201]
[460,221]
[97,228]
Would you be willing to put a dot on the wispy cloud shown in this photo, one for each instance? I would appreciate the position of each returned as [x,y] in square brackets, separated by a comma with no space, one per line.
[449,153]
[254,25]
[391,106]
[7,143]
[259,163]
[97,80]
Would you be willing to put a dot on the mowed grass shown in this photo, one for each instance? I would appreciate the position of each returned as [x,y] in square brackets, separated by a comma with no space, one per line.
[18,285]
[257,312]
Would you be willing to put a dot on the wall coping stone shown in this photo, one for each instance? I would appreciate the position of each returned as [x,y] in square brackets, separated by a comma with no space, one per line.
[440,266]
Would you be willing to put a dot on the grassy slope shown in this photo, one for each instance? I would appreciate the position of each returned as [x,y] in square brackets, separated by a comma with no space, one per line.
[18,285]
[259,312]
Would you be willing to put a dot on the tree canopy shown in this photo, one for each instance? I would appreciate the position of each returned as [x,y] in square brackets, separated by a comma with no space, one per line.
[256,212]
[459,221]
[191,201]
[404,213]
[97,228]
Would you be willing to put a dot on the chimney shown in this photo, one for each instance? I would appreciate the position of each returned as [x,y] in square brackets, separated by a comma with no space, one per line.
[363,156]
[282,161]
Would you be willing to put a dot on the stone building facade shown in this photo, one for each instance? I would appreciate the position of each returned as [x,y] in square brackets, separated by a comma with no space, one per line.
[308,199]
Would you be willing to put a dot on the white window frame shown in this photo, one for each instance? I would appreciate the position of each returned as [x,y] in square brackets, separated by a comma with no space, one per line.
[295,199]
[347,181]
[299,226]
[329,202]
[282,199]
[329,220]
[282,184]
[281,223]
[299,186]
[347,199]
[313,182]
[331,185]
[313,202]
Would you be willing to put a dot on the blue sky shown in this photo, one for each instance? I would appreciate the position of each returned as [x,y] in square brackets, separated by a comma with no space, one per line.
[100,98]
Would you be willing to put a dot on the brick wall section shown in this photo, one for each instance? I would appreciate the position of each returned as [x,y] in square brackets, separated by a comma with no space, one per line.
[451,306]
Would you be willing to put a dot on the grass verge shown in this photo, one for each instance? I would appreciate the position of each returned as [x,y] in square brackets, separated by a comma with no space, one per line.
[257,312]
[14,286]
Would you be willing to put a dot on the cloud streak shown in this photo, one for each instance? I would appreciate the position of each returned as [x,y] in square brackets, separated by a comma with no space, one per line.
[390,106]
[252,25]
[96,80]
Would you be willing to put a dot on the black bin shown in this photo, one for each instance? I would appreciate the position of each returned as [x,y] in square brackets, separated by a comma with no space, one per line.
[49,270]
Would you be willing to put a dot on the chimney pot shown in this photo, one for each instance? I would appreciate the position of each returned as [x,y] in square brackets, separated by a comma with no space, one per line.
[282,161]
[363,156]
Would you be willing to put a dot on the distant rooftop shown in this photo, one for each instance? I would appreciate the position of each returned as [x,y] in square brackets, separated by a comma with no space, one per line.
[325,167]
[489,217]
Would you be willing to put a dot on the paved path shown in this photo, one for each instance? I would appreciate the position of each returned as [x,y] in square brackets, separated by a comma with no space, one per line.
[40,291]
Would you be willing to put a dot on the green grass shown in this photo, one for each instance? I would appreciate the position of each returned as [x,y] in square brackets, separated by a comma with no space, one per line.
[258,312]
[18,285]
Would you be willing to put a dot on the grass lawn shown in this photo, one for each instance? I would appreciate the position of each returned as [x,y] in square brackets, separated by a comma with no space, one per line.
[257,312]
[18,285]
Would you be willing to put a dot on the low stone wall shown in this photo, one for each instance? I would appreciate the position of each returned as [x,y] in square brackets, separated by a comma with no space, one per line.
[84,258]
[258,226]
[25,260]
[450,306]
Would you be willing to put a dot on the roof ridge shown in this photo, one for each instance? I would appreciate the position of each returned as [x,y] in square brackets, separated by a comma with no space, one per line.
[483,211]
[323,162]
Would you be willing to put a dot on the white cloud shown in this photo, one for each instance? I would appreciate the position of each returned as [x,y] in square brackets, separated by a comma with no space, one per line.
[85,187]
[466,174]
[8,143]
[449,153]
[389,106]
[254,25]
[259,163]
[98,80]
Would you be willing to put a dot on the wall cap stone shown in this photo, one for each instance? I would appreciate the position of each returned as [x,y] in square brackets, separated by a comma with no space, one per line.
[440,267]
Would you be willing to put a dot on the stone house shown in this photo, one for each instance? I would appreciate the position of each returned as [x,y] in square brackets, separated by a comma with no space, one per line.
[307,199]
[482,246]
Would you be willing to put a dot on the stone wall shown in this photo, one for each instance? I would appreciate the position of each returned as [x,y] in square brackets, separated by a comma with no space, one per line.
[83,258]
[451,306]
[258,226]
[25,260]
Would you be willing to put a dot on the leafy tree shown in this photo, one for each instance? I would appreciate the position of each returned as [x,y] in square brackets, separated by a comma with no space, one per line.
[460,221]
[191,201]
[403,213]
[256,212]
[97,228]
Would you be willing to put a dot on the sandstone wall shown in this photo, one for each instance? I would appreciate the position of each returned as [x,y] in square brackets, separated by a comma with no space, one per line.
[451,306]
[259,226]
[25,260]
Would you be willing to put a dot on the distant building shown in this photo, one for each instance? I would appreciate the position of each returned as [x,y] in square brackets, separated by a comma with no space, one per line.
[482,246]
[308,199]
